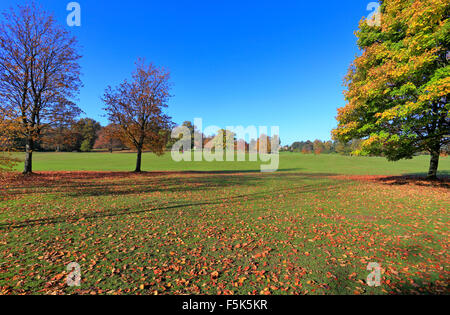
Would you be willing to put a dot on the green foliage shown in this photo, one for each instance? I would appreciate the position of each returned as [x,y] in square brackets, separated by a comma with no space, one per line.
[7,162]
[324,147]
[86,146]
[397,90]
[86,131]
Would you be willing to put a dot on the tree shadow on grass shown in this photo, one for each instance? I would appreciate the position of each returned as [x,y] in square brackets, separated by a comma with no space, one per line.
[187,183]
[52,179]
[88,184]
[257,196]
[401,286]
[421,180]
[416,286]
[416,179]
[239,171]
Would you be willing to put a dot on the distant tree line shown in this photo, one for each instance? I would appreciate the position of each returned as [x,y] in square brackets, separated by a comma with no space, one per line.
[323,147]
[399,114]
[40,79]
[226,138]
[338,147]
[83,135]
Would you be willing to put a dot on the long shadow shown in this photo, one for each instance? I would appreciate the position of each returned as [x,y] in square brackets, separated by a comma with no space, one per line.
[56,178]
[81,184]
[137,184]
[185,184]
[239,171]
[414,257]
[433,288]
[443,181]
[127,211]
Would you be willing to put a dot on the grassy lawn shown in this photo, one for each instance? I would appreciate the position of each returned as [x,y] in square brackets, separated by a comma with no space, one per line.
[311,228]
[292,162]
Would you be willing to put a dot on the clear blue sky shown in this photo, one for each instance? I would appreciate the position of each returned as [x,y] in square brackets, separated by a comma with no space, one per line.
[233,62]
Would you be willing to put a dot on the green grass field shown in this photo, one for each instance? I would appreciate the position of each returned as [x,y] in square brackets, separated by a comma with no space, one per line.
[291,162]
[225,228]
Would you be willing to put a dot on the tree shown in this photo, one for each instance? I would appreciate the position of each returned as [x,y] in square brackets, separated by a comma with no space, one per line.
[85,146]
[86,130]
[397,90]
[328,147]
[348,147]
[224,139]
[193,130]
[308,147]
[109,138]
[264,144]
[39,72]
[319,147]
[61,135]
[58,139]
[137,108]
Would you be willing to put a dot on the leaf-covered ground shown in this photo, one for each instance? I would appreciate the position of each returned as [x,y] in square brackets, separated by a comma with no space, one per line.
[222,233]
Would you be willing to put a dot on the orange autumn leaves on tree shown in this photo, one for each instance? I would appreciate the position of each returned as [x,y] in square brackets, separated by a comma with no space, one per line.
[397,90]
[137,106]
[8,130]
[39,74]
[109,138]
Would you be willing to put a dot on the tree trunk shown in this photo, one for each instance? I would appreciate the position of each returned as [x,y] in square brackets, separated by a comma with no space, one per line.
[29,157]
[138,161]
[434,164]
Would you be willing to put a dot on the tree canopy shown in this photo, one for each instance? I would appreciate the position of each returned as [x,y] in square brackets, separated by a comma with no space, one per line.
[39,73]
[137,108]
[398,89]
[109,138]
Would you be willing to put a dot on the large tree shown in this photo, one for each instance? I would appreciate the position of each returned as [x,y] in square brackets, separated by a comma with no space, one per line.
[39,72]
[137,108]
[398,89]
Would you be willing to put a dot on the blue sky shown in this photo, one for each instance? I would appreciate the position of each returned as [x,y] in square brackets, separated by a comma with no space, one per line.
[233,62]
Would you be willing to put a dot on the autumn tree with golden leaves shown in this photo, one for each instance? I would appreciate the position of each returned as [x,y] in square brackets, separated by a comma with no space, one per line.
[398,89]
[39,74]
[137,107]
